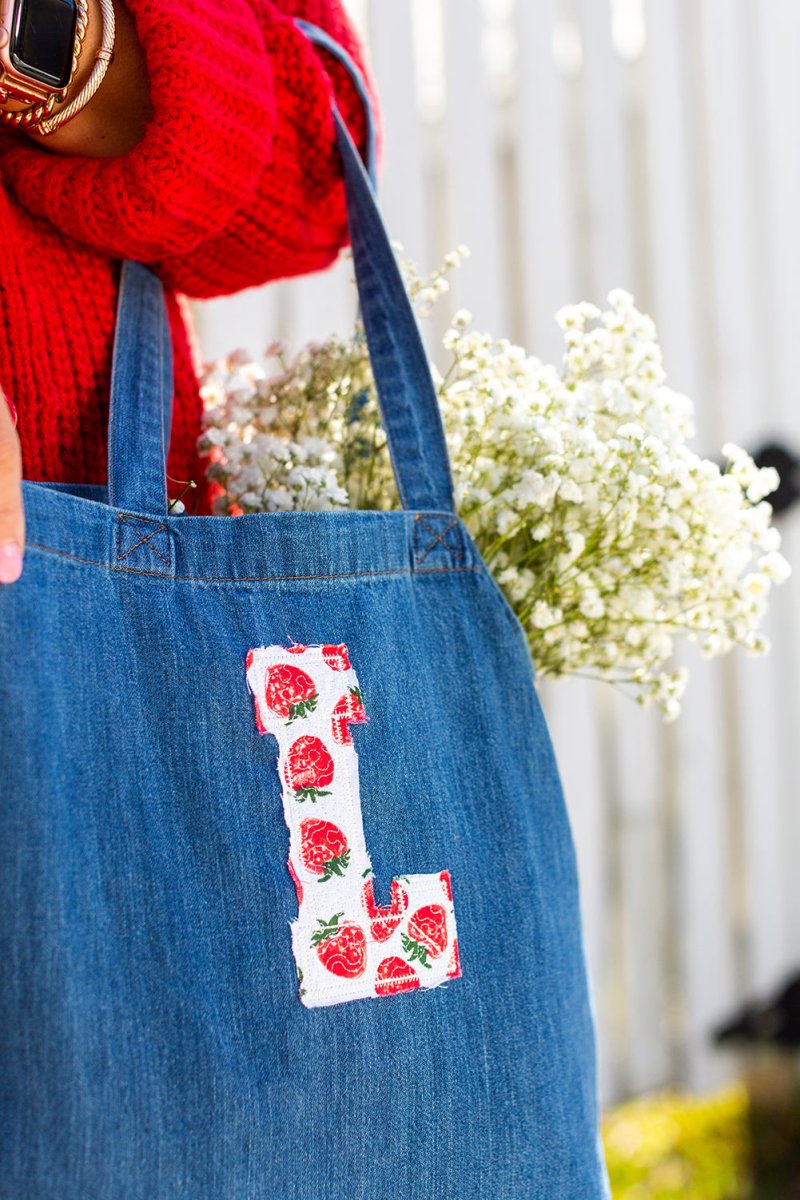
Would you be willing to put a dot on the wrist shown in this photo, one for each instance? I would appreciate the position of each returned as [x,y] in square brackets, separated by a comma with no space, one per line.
[114,118]
[40,50]
[91,44]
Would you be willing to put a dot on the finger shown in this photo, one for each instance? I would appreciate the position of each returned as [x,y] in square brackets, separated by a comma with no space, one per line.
[12,518]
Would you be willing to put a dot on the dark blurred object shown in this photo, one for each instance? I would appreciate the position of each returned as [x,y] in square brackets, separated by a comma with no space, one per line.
[787,464]
[767,1035]
[773,1023]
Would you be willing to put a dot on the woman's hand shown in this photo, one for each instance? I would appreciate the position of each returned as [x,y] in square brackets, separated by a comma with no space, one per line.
[12,517]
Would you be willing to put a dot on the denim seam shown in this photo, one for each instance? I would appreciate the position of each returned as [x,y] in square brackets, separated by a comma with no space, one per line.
[123,300]
[92,562]
[163,454]
[419,521]
[112,430]
[133,523]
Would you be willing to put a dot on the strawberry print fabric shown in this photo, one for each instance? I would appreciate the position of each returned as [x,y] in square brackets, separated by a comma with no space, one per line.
[346,947]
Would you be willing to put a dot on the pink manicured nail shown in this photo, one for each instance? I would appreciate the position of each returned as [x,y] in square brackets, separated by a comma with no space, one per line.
[10,562]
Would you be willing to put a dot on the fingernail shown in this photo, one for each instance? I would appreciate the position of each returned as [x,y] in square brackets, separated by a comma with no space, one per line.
[10,562]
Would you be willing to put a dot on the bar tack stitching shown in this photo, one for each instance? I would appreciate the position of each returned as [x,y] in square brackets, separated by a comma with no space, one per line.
[421,553]
[145,538]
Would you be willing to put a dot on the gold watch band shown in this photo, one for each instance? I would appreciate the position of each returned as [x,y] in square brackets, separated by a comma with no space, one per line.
[16,86]
[40,118]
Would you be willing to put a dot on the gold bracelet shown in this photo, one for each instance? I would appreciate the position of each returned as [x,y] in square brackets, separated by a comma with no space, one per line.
[39,112]
[104,57]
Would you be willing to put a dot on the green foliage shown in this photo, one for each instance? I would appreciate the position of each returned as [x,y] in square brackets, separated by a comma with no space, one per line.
[677,1147]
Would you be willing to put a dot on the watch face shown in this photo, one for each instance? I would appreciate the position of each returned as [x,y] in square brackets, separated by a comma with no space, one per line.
[43,40]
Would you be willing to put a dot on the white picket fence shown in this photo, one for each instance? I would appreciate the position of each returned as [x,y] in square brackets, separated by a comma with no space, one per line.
[576,146]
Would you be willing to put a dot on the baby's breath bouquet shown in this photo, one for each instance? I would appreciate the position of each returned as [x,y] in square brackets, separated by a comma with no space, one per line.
[610,537]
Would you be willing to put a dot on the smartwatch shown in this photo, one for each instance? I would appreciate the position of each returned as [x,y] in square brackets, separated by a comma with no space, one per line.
[37,48]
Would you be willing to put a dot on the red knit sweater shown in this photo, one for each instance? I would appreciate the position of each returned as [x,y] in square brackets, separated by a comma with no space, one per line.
[236,182]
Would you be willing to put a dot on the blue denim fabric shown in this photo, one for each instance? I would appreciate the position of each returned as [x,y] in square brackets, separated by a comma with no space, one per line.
[153,1043]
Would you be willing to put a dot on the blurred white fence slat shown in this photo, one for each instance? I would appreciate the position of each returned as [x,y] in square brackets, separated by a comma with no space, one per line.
[777,37]
[743,410]
[474,180]
[734,379]
[785,633]
[404,172]
[247,321]
[544,203]
[611,225]
[577,146]
[645,881]
[704,912]
[673,233]
[572,716]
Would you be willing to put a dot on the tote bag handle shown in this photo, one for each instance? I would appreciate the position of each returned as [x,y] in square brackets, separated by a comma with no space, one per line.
[141,376]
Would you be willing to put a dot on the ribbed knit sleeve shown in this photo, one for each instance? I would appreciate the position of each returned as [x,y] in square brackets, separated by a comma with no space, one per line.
[236,180]
[295,221]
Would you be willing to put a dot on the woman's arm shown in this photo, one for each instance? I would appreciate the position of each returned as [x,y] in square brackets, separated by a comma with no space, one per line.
[114,120]
[236,179]
[202,151]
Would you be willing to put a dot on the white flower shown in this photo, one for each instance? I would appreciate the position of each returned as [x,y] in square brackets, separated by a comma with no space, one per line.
[577,482]
[569,490]
[775,567]
[543,616]
[756,644]
[756,584]
[631,432]
[506,520]
[251,500]
[591,605]
[576,543]
[621,300]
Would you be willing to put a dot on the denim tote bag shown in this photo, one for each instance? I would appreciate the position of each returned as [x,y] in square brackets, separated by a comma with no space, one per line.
[288,899]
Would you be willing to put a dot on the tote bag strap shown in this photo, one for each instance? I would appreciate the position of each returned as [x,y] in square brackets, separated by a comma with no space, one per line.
[140,410]
[141,382]
[324,39]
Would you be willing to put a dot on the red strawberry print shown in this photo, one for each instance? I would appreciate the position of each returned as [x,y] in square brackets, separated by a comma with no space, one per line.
[454,966]
[393,976]
[308,768]
[384,921]
[349,708]
[342,949]
[290,692]
[446,884]
[336,657]
[427,934]
[298,887]
[323,848]
[296,648]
